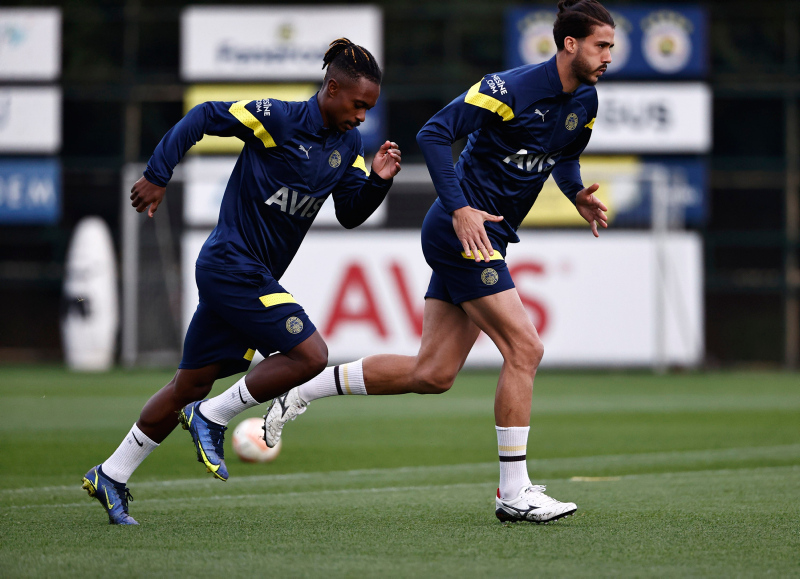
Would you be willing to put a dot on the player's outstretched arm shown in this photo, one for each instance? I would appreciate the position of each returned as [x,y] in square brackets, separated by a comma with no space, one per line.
[468,225]
[145,194]
[386,162]
[591,208]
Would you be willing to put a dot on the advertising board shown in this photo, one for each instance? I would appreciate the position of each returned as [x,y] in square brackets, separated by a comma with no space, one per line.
[364,291]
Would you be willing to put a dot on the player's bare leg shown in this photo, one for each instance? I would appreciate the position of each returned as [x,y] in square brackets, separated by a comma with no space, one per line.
[447,337]
[503,318]
[279,373]
[207,421]
[107,481]
[159,416]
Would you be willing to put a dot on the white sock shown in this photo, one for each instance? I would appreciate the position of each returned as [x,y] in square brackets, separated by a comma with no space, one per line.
[221,409]
[512,443]
[128,456]
[335,381]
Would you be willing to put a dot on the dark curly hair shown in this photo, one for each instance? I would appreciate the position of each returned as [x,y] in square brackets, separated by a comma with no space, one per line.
[351,60]
[577,18]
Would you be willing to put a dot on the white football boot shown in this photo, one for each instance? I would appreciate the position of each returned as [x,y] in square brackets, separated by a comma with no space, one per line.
[531,504]
[283,409]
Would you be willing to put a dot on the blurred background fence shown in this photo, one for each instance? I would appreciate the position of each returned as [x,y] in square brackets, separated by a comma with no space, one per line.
[118,88]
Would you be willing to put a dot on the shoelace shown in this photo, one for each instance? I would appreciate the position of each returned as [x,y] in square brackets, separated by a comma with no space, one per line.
[540,489]
[124,496]
[216,433]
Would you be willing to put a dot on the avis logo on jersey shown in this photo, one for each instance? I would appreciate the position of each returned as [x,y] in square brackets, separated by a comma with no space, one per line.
[532,161]
[295,203]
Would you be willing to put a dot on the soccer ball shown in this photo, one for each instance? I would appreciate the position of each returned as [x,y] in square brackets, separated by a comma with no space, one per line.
[248,442]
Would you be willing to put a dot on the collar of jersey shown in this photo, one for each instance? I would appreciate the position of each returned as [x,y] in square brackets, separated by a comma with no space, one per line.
[551,69]
[315,123]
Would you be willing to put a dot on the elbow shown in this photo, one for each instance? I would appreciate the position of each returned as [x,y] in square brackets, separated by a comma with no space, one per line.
[348,222]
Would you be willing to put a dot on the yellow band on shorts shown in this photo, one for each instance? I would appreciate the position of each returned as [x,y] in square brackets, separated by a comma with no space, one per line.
[270,300]
[494,257]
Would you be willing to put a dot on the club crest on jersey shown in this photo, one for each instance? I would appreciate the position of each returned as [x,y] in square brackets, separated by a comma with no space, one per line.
[489,276]
[571,122]
[294,325]
[335,159]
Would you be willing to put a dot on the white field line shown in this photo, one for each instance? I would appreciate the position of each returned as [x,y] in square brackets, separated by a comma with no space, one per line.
[697,457]
[398,489]
[289,494]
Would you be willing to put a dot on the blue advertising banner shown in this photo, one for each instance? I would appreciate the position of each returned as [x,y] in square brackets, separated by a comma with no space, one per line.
[658,41]
[30,191]
[628,185]
[684,181]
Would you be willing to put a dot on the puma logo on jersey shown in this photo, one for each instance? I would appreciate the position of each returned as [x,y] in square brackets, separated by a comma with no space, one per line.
[541,114]
[292,202]
[529,162]
[306,151]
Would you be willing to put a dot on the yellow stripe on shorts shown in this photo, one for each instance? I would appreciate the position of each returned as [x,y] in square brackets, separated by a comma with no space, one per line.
[270,300]
[249,355]
[494,257]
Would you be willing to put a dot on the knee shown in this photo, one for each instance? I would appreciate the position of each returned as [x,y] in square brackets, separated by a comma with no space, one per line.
[437,381]
[316,359]
[187,390]
[527,353]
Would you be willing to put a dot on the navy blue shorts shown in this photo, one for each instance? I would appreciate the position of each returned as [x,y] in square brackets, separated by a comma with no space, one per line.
[457,278]
[238,314]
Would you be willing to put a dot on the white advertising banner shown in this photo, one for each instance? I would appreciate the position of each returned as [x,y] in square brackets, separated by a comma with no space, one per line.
[30,43]
[660,117]
[205,179]
[593,301]
[30,120]
[271,43]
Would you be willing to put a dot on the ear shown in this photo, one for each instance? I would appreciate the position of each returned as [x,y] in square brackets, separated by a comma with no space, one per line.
[332,88]
[570,44]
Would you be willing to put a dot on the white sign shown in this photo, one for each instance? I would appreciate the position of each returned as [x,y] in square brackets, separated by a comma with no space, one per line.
[652,118]
[271,43]
[205,181]
[30,120]
[30,43]
[593,301]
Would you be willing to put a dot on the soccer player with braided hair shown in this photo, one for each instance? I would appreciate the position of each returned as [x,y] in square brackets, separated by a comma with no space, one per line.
[521,125]
[295,155]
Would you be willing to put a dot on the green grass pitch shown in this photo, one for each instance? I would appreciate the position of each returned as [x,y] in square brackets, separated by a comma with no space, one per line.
[677,475]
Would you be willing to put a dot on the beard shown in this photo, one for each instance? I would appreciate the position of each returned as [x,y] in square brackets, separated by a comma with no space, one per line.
[584,71]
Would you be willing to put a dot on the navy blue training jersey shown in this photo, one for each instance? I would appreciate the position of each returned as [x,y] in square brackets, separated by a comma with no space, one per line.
[289,165]
[520,127]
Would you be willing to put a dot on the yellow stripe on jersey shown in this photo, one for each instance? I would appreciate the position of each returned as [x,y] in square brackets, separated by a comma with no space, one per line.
[346,379]
[474,97]
[270,300]
[249,355]
[248,120]
[359,164]
[511,448]
[590,124]
[494,257]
